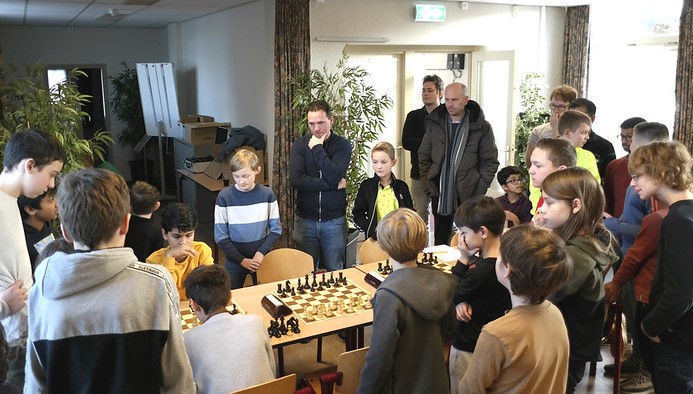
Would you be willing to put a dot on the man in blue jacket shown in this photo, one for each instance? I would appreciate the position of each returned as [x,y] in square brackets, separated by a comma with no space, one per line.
[317,171]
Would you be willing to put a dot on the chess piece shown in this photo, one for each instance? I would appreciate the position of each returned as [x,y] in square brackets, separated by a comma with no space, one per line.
[424,260]
[299,284]
[331,281]
[306,286]
[344,281]
[321,312]
[287,286]
[293,291]
[320,288]
[341,276]
[380,266]
[308,316]
[294,326]
[315,281]
[234,311]
[282,327]
[301,290]
[322,281]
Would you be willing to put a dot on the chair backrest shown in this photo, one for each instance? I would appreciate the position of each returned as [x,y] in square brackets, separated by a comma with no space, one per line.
[284,385]
[350,365]
[370,252]
[284,263]
[455,239]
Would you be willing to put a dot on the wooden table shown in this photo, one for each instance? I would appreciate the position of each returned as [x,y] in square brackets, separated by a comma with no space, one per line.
[249,300]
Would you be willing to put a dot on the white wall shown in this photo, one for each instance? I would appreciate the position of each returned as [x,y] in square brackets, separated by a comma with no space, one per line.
[535,33]
[225,66]
[92,46]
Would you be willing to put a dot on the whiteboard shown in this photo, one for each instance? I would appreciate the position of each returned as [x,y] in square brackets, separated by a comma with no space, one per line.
[159,101]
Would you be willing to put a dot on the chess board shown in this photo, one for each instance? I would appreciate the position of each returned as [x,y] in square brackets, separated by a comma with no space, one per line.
[445,267]
[188,319]
[303,304]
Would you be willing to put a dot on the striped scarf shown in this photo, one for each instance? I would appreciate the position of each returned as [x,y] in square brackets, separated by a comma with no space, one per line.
[455,141]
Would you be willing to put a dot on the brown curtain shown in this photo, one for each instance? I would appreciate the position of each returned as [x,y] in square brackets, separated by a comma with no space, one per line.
[576,48]
[291,59]
[683,123]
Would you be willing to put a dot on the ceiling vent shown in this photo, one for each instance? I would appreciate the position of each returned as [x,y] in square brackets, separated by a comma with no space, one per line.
[112,16]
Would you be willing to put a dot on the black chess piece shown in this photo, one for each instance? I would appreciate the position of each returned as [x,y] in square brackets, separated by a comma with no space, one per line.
[315,280]
[344,281]
[282,327]
[306,286]
[380,266]
[294,325]
[235,310]
[331,281]
[293,291]
[430,258]
[320,288]
[436,258]
[341,276]
[280,291]
[287,285]
[301,290]
[322,281]
[299,283]
[424,259]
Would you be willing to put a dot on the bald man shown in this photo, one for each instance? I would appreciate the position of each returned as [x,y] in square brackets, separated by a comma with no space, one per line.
[458,157]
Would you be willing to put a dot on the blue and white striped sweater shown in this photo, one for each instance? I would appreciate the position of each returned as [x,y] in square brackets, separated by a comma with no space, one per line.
[246,222]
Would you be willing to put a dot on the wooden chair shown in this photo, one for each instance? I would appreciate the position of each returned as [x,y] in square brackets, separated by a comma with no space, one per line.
[370,252]
[283,385]
[455,239]
[346,379]
[284,263]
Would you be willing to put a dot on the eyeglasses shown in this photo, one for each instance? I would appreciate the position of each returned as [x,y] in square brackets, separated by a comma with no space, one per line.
[636,177]
[515,181]
[555,107]
[625,137]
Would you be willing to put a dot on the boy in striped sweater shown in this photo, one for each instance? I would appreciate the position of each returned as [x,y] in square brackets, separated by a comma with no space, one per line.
[246,219]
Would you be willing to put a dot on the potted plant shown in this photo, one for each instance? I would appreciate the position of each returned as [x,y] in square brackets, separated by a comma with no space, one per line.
[359,116]
[28,102]
[126,105]
[534,114]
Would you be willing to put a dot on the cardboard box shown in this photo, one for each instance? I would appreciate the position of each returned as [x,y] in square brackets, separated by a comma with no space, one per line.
[196,119]
[217,170]
[201,133]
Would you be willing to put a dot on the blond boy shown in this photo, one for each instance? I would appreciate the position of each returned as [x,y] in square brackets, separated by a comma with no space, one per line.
[411,310]
[246,219]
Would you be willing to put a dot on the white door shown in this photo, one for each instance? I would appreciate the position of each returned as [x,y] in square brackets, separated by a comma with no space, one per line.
[492,82]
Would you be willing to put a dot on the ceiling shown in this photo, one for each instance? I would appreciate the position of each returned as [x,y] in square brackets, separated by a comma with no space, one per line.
[148,13]
[108,13]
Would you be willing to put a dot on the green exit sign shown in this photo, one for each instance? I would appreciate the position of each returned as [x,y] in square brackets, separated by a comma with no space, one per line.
[430,13]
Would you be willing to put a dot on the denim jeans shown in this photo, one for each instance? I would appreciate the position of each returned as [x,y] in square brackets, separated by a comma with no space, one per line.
[325,241]
[673,369]
[238,275]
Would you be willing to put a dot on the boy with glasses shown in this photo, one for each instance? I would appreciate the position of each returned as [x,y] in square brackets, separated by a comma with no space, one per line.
[516,205]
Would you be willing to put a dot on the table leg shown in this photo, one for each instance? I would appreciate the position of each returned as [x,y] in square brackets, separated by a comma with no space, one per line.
[360,338]
[280,361]
[351,339]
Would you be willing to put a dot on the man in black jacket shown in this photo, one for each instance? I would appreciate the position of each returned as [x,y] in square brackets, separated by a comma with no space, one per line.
[317,170]
[458,157]
[412,134]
